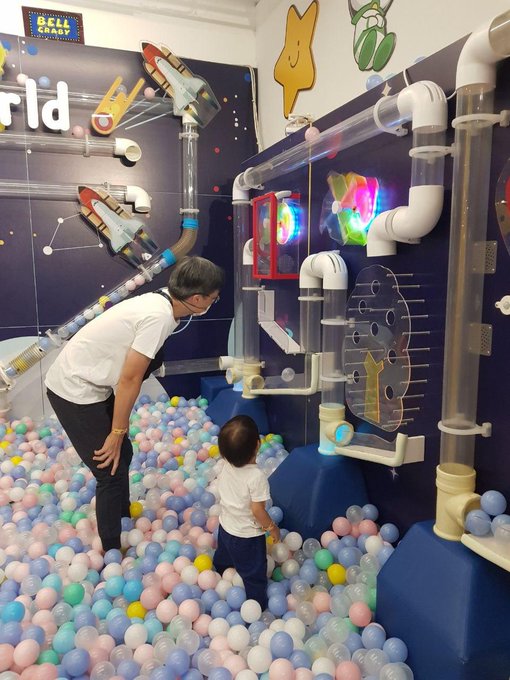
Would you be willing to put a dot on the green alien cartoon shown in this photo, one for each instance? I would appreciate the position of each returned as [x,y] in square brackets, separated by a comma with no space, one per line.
[373,45]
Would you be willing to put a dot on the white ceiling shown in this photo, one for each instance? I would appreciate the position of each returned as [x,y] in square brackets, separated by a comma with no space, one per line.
[239,13]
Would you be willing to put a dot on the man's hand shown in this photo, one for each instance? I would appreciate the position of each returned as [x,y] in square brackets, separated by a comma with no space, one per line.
[109,453]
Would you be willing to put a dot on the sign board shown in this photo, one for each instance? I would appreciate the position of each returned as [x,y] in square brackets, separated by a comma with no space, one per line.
[53,25]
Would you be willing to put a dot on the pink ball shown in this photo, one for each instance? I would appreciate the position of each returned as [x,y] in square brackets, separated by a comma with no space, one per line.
[26,653]
[303,674]
[207,579]
[78,131]
[212,523]
[164,568]
[321,602]
[6,655]
[190,609]
[291,602]
[311,133]
[46,598]
[327,537]
[360,614]
[106,642]
[347,670]
[205,540]
[97,654]
[169,581]
[235,664]
[143,653]
[355,531]
[219,642]
[181,562]
[368,526]
[201,625]
[46,671]
[150,598]
[341,526]
[281,669]
[166,610]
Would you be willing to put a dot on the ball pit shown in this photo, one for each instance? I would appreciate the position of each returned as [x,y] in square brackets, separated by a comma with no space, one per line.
[156,609]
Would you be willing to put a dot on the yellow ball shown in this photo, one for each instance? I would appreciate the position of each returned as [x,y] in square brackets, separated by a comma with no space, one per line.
[214,451]
[269,539]
[174,401]
[178,440]
[9,430]
[16,460]
[180,460]
[203,562]
[136,610]
[135,509]
[269,437]
[336,574]
[5,445]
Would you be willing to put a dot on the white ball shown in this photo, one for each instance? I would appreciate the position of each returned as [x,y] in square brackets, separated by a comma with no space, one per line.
[77,572]
[246,674]
[223,587]
[65,555]
[237,581]
[218,627]
[189,575]
[238,638]
[112,569]
[373,544]
[323,665]
[259,659]
[277,625]
[229,574]
[250,611]
[295,628]
[135,536]
[265,638]
[293,540]
[136,635]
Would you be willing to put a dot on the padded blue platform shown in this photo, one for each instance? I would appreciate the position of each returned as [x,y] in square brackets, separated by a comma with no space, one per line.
[313,489]
[450,606]
[211,386]
[230,403]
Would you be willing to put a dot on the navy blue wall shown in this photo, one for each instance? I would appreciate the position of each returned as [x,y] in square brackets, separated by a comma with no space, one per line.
[409,496]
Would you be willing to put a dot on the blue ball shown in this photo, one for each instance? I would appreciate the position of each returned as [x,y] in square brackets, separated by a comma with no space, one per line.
[220,673]
[498,521]
[276,514]
[370,512]
[353,642]
[235,597]
[113,556]
[132,590]
[300,659]
[309,572]
[209,597]
[63,642]
[323,676]
[277,605]
[192,674]
[14,611]
[389,532]
[373,636]
[178,660]
[235,619]
[181,592]
[128,669]
[162,673]
[281,645]
[396,649]
[220,609]
[478,523]
[384,554]
[493,503]
[373,81]
[348,557]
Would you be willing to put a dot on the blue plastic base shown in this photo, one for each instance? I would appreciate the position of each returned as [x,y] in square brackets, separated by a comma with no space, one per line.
[211,386]
[230,403]
[313,489]
[450,606]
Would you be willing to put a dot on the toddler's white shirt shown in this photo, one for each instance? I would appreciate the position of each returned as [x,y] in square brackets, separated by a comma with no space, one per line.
[238,488]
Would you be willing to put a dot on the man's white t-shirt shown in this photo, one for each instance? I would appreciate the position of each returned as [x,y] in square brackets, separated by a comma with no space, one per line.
[89,366]
[237,488]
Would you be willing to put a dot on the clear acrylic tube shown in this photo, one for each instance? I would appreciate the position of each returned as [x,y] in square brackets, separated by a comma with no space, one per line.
[189,137]
[251,335]
[186,366]
[310,309]
[352,131]
[52,192]
[333,331]
[241,236]
[428,158]
[85,146]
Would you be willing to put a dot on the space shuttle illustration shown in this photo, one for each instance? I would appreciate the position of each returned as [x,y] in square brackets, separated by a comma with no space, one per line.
[191,94]
[125,233]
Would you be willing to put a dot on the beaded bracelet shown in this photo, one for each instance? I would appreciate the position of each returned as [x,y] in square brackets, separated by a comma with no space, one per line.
[269,527]
[119,430]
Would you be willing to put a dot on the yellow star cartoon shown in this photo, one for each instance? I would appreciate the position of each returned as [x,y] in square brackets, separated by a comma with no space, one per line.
[295,68]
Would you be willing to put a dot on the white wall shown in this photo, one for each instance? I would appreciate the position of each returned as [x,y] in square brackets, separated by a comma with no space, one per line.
[422,28]
[187,38]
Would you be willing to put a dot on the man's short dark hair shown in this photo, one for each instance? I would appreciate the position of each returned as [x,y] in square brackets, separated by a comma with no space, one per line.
[194,275]
[238,440]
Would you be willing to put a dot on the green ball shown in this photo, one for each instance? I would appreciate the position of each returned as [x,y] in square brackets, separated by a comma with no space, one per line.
[203,403]
[21,428]
[137,477]
[277,575]
[66,516]
[350,626]
[278,438]
[47,488]
[134,430]
[48,656]
[44,432]
[74,593]
[264,446]
[76,516]
[323,559]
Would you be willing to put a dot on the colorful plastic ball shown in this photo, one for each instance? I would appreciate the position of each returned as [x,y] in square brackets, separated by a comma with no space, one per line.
[373,636]
[76,662]
[149,93]
[135,509]
[259,659]
[396,650]
[250,611]
[493,502]
[336,574]
[73,594]
[203,562]
[373,81]
[281,645]
[44,81]
[78,131]
[389,532]
[478,523]
[323,558]
[136,610]
[12,611]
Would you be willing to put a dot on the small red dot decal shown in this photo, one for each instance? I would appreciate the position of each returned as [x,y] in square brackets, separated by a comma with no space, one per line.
[216,149]
[216,188]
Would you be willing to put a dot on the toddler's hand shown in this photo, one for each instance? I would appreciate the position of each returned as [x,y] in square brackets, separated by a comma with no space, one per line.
[275,534]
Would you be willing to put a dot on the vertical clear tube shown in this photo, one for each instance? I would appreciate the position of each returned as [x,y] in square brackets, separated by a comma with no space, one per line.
[189,137]
[241,236]
[428,158]
[310,300]
[333,330]
[251,335]
[470,198]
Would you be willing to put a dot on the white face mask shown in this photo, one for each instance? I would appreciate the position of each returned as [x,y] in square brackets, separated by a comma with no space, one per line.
[202,313]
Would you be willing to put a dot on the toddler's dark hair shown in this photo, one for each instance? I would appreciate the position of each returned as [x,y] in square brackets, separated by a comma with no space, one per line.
[238,440]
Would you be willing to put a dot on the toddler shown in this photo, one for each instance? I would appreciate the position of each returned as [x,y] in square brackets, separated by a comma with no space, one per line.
[243,490]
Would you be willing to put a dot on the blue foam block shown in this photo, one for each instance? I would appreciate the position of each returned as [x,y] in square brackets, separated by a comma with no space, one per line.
[449,605]
[212,385]
[313,489]
[230,403]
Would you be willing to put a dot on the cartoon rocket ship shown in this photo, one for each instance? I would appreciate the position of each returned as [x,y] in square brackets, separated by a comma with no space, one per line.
[119,227]
[191,94]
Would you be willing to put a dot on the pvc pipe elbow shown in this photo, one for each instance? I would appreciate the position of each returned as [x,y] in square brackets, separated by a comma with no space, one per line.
[240,190]
[225,362]
[425,102]
[127,148]
[140,198]
[379,242]
[248,253]
[327,270]
[477,60]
